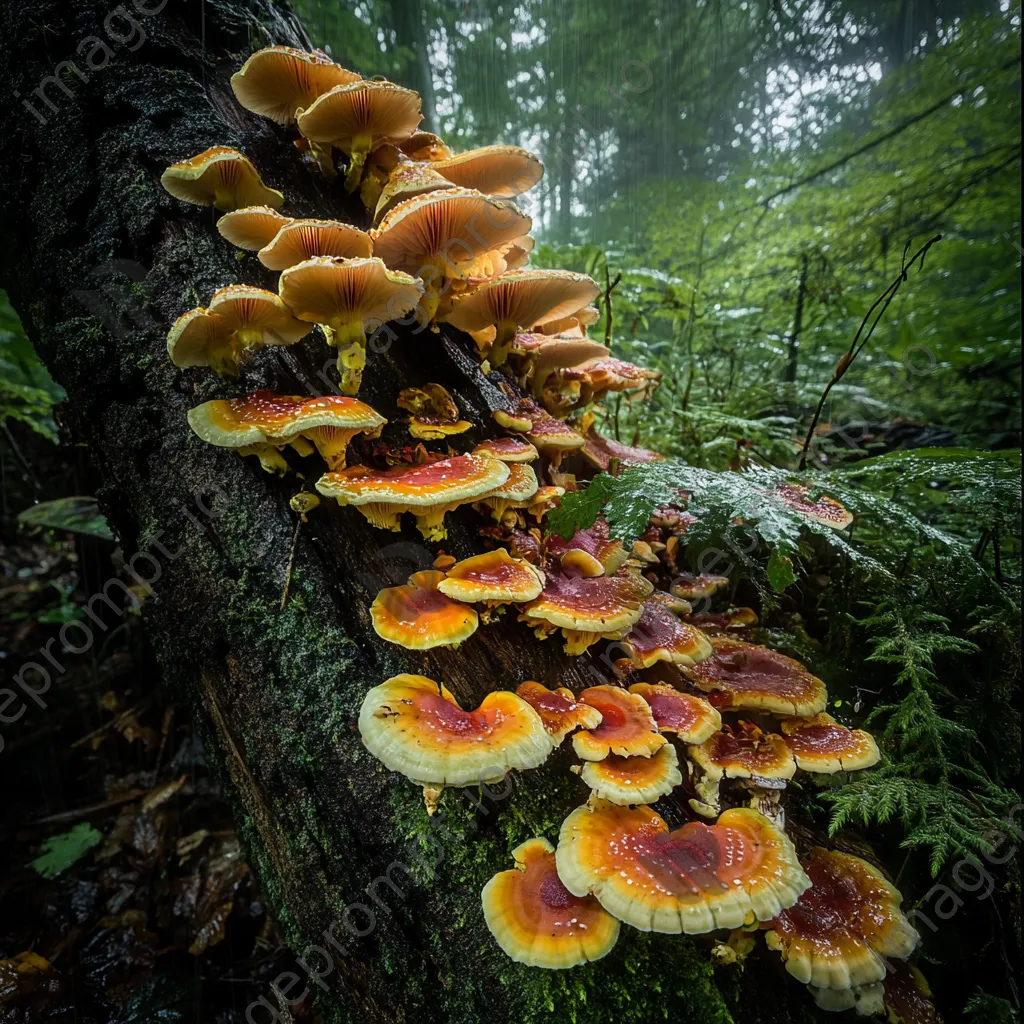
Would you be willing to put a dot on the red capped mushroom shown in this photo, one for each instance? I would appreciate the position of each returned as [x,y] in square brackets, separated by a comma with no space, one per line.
[627,726]
[633,780]
[493,578]
[821,744]
[658,635]
[418,616]
[602,451]
[693,720]
[559,710]
[824,510]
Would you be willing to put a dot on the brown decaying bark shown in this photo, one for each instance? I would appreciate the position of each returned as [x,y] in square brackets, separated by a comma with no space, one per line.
[277,692]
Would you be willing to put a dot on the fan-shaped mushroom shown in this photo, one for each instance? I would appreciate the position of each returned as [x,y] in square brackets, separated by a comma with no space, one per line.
[627,727]
[418,616]
[493,578]
[251,227]
[821,744]
[692,720]
[658,635]
[503,171]
[219,177]
[633,780]
[518,491]
[559,710]
[301,240]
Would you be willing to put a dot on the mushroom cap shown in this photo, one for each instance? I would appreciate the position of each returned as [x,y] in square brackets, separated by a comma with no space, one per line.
[504,171]
[559,709]
[219,168]
[589,552]
[492,576]
[383,111]
[599,451]
[520,486]
[524,297]
[607,373]
[461,477]
[821,744]
[695,879]
[658,635]
[838,932]
[416,727]
[627,726]
[279,81]
[418,616]
[425,146]
[691,587]
[301,240]
[537,921]
[602,604]
[744,752]
[407,181]
[554,436]
[722,622]
[507,449]
[243,307]
[325,288]
[555,353]
[265,415]
[825,510]
[457,225]
[693,720]
[576,322]
[750,676]
[634,780]
[251,227]
[192,334]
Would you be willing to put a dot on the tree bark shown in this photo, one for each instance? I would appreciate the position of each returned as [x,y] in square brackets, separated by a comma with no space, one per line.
[381,903]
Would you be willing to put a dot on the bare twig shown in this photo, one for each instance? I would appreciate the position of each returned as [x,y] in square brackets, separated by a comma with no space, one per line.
[609,287]
[291,565]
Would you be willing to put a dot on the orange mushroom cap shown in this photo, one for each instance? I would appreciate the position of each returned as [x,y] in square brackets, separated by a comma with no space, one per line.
[693,720]
[418,616]
[743,751]
[825,510]
[220,177]
[507,449]
[695,879]
[504,171]
[730,620]
[750,676]
[425,146]
[493,576]
[838,932]
[379,112]
[407,181]
[517,491]
[600,451]
[428,491]
[537,921]
[658,635]
[278,81]
[559,710]
[301,240]
[605,373]
[633,780]
[627,727]
[416,727]
[251,227]
[554,438]
[556,354]
[821,744]
[692,588]
[577,322]
[589,552]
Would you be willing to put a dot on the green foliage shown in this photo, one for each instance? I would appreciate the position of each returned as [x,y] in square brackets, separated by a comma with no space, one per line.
[984,1008]
[60,852]
[27,392]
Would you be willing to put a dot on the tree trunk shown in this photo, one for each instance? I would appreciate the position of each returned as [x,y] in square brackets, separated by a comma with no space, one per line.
[793,356]
[381,903]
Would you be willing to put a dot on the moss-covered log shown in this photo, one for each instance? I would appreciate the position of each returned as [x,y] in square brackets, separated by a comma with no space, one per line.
[381,903]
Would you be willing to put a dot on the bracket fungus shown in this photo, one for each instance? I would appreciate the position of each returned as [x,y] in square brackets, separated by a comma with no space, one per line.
[415,726]
[750,676]
[424,146]
[433,413]
[839,933]
[518,300]
[418,616]
[493,578]
[554,438]
[279,82]
[507,449]
[358,118]
[238,321]
[537,921]
[589,552]
[220,177]
[601,452]
[587,609]
[428,491]
[502,171]
[694,880]
[633,780]
[263,422]
[556,354]
[346,296]
[692,720]
[821,744]
[301,240]
[605,373]
[692,587]
[627,727]
[731,620]
[659,635]
[559,709]
[518,491]
[824,510]
[251,227]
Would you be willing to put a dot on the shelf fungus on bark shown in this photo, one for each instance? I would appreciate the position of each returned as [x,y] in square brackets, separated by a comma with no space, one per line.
[301,240]
[627,727]
[428,491]
[587,609]
[589,552]
[279,82]
[502,171]
[493,579]
[837,937]
[264,422]
[691,587]
[574,325]
[557,354]
[824,510]
[606,374]
[418,616]
[743,752]
[601,452]
[407,181]
[507,449]
[554,438]
[821,744]
[633,780]
[220,177]
[239,321]
[425,146]
[433,413]
[537,921]
[357,119]
[559,709]
[692,720]
[251,227]
[415,726]
[444,237]
[659,635]
[694,880]
[347,297]
[518,300]
[732,620]
[519,490]
[743,675]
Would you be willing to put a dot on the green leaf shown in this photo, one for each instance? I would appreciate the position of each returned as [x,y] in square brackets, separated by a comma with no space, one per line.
[60,852]
[780,571]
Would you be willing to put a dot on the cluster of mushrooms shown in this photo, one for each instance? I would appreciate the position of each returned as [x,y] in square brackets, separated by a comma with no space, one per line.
[708,711]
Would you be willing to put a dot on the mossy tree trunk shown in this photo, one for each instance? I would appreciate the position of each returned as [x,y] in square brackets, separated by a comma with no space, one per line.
[99,261]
